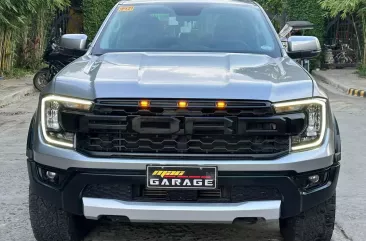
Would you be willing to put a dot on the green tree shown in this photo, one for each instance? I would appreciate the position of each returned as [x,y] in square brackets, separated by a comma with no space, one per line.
[308,10]
[21,22]
[272,6]
[14,12]
[275,10]
[95,11]
[349,7]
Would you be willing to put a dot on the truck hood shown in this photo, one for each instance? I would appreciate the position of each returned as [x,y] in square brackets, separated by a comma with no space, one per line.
[184,75]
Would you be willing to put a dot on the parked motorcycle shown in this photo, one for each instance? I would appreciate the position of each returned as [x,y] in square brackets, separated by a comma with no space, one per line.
[57,58]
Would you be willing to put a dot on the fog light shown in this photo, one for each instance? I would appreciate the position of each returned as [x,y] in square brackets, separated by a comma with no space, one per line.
[54,177]
[51,175]
[314,179]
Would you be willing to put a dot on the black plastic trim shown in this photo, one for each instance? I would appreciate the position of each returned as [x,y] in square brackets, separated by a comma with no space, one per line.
[30,138]
[186,156]
[68,196]
[338,142]
[125,118]
[289,124]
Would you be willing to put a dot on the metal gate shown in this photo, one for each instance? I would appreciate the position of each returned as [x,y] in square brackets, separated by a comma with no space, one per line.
[342,45]
[69,20]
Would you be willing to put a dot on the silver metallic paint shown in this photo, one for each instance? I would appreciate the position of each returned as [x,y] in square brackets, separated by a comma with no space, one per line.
[302,161]
[186,76]
[303,43]
[74,41]
[157,212]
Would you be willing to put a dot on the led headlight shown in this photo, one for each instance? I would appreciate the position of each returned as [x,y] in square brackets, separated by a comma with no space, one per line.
[50,118]
[315,112]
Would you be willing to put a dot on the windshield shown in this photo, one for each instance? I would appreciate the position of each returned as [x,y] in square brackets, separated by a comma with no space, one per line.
[188,27]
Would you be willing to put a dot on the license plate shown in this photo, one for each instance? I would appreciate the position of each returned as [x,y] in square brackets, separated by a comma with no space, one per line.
[181,177]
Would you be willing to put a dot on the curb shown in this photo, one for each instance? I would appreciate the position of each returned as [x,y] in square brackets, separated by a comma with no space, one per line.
[356,92]
[342,88]
[17,95]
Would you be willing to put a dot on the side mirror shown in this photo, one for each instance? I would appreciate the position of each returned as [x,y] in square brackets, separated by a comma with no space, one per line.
[74,41]
[303,47]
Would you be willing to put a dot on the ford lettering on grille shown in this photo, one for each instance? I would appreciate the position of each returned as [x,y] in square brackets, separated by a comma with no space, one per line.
[190,125]
[242,130]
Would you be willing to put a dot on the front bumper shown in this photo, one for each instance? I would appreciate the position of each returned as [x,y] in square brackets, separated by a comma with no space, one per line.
[95,208]
[292,200]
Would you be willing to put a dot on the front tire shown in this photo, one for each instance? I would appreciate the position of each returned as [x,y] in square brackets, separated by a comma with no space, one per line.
[52,224]
[316,224]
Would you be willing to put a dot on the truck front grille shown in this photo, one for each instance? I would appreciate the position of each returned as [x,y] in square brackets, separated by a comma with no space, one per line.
[244,129]
[118,143]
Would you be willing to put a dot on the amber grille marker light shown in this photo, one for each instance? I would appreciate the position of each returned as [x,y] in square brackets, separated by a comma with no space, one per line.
[221,104]
[144,103]
[182,104]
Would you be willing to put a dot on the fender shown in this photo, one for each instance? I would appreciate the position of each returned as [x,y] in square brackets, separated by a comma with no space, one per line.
[338,142]
[30,138]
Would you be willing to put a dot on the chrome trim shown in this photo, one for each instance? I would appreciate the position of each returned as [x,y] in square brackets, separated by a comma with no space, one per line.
[94,208]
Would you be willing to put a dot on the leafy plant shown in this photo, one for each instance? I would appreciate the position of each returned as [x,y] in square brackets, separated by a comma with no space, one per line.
[362,71]
[272,6]
[14,13]
[23,23]
[95,11]
[16,73]
[274,9]
[308,10]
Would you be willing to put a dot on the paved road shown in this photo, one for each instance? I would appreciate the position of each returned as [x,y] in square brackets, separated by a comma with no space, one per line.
[351,219]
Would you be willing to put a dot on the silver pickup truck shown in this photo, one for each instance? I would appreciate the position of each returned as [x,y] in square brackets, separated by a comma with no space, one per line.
[184,112]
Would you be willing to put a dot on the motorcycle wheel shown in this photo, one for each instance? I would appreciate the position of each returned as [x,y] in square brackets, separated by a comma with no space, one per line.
[41,79]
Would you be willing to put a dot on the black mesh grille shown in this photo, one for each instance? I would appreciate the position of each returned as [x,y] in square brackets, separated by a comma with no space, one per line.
[243,129]
[109,191]
[232,194]
[129,143]
[249,193]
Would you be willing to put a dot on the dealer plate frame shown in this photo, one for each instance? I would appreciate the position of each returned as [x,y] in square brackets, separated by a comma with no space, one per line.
[182,167]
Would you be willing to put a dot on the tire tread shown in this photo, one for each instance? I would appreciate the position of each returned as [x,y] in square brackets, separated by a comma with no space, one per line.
[316,224]
[50,223]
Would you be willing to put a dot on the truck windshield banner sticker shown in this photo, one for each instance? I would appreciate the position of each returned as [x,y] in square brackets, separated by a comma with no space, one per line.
[126,9]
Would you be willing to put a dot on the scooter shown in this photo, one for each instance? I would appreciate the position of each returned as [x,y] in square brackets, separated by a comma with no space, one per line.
[57,58]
